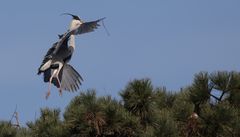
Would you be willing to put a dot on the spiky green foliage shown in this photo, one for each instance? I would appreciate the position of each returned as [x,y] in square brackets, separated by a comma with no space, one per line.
[234,89]
[165,126]
[23,132]
[221,119]
[48,125]
[138,98]
[200,89]
[7,130]
[88,115]
[164,99]
[119,122]
[182,108]
[145,111]
[84,116]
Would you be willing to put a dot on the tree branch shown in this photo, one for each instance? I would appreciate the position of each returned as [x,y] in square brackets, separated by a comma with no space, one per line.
[223,92]
[215,97]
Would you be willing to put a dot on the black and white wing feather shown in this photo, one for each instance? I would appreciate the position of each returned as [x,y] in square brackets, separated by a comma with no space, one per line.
[88,26]
[47,59]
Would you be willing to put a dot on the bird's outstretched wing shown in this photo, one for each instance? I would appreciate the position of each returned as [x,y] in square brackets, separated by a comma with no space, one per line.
[70,78]
[88,26]
[47,59]
[83,28]
[61,43]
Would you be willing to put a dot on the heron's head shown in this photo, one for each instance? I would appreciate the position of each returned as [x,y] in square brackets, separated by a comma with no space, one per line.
[75,17]
[76,22]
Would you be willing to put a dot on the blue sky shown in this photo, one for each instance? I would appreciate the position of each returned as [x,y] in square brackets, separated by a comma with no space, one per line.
[167,41]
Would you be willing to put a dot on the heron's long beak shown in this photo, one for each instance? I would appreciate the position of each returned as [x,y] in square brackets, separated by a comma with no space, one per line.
[74,16]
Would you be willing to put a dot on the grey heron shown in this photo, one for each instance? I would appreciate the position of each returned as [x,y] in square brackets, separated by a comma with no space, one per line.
[55,65]
[56,68]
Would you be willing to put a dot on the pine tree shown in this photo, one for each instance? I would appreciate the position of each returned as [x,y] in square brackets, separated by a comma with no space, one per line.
[209,107]
[7,130]
[138,99]
[48,125]
[88,116]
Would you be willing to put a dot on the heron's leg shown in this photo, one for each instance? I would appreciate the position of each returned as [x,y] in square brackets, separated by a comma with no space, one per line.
[60,86]
[49,87]
[59,82]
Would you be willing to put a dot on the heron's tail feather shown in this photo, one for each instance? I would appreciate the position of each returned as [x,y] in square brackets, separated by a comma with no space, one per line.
[70,78]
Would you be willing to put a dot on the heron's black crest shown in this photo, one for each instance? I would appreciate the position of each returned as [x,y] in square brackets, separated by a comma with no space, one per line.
[74,16]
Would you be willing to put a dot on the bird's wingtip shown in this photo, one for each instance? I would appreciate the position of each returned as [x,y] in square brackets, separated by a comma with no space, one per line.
[102,18]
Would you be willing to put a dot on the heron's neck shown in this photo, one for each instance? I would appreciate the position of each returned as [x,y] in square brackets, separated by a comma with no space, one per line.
[72,41]
[73,24]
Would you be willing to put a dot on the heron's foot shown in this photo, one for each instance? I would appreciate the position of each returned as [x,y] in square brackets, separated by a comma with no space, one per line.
[60,91]
[48,94]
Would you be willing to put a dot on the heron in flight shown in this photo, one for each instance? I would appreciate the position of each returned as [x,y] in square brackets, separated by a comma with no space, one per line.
[55,67]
